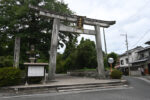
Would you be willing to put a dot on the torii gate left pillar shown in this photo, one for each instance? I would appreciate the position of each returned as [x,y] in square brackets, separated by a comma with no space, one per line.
[53,49]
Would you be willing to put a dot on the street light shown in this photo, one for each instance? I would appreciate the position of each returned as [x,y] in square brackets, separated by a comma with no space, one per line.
[127,50]
[111,61]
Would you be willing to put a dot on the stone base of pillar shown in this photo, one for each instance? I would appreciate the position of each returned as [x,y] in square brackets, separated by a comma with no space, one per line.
[100,76]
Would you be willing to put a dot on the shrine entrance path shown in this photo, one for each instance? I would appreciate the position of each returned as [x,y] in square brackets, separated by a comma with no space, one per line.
[65,80]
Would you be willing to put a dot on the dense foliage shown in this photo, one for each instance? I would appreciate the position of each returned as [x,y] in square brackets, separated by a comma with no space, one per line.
[81,56]
[9,76]
[86,54]
[6,61]
[77,56]
[17,19]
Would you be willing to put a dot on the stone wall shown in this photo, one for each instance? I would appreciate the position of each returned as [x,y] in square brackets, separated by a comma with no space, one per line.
[83,73]
[135,73]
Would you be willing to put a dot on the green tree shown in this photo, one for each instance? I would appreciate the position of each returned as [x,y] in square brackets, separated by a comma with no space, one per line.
[17,19]
[86,54]
[77,57]
[70,47]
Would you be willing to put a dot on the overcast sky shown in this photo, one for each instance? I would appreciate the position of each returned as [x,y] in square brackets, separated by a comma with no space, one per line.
[131,16]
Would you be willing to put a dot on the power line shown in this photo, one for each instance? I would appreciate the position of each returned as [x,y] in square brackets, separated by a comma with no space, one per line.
[134,15]
[141,37]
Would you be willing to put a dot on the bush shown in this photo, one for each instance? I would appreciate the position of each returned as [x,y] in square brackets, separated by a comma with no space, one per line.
[116,74]
[6,61]
[10,76]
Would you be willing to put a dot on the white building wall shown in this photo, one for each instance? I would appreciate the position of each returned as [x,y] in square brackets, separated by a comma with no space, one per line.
[123,58]
[133,56]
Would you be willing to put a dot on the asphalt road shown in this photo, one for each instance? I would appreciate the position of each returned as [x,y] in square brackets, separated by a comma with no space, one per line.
[138,90]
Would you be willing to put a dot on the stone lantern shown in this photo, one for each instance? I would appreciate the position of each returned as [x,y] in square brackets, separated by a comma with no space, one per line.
[33,68]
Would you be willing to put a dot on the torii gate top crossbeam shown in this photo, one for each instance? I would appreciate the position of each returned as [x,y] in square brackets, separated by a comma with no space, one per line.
[72,18]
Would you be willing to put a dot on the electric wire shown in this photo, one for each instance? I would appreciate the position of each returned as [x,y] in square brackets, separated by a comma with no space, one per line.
[142,37]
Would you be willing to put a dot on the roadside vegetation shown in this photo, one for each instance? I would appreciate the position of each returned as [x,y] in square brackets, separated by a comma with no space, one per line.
[10,76]
[116,74]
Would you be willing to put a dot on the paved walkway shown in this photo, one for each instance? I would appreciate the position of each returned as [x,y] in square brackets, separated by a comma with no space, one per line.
[70,80]
[138,90]
[60,81]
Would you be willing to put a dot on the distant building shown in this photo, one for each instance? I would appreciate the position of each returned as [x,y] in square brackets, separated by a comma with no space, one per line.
[125,62]
[132,57]
[139,60]
[143,60]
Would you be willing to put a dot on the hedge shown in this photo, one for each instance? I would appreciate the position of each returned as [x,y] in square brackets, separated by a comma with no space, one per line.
[9,76]
[116,74]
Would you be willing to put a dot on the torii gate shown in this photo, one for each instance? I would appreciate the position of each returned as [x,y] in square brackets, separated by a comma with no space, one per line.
[57,26]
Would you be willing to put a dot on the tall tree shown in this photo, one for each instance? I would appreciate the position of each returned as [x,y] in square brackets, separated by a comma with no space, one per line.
[86,54]
[16,19]
[70,47]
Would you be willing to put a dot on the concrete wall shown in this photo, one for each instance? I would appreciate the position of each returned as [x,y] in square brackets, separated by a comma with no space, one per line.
[124,61]
[136,73]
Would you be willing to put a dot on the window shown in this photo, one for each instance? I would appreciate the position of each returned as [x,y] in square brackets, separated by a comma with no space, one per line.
[141,55]
[127,61]
[121,62]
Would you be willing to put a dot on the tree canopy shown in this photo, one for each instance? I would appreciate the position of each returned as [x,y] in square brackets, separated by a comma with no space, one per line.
[77,56]
[86,54]
[17,19]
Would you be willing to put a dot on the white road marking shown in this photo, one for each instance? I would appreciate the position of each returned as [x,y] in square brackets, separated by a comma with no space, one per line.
[144,79]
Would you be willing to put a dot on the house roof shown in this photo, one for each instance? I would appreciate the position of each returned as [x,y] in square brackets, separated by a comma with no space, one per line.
[144,49]
[130,51]
[148,42]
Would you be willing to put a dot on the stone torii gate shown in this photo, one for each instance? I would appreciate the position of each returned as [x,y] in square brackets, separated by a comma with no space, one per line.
[58,27]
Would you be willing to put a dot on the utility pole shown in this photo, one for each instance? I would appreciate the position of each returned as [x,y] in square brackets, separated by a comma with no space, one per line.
[105,41]
[126,36]
[105,46]
[128,53]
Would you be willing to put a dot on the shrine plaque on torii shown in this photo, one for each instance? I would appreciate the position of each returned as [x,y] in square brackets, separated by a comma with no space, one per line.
[80,20]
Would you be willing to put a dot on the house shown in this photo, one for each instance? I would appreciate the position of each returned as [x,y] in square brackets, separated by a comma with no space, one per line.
[143,60]
[125,63]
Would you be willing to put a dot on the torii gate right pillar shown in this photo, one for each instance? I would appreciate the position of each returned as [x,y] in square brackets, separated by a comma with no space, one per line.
[100,61]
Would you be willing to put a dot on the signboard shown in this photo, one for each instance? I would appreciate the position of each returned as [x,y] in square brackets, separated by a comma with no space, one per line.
[80,21]
[111,60]
[35,71]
